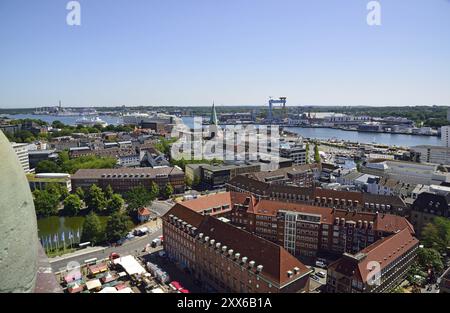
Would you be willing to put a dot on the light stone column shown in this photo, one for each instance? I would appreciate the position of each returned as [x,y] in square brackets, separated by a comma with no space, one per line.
[18,226]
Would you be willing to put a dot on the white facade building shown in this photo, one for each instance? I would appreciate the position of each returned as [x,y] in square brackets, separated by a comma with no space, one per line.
[21,151]
[433,154]
[445,136]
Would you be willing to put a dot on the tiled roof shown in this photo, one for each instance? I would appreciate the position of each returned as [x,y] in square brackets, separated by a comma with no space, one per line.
[261,176]
[152,172]
[208,202]
[246,182]
[384,251]
[395,201]
[276,261]
[329,193]
[381,222]
[144,212]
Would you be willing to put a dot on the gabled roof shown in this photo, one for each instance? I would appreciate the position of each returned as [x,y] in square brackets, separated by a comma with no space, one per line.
[208,202]
[276,261]
[144,212]
[384,251]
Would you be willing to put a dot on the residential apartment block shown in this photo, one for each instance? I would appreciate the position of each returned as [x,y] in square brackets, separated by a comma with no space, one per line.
[225,258]
[21,151]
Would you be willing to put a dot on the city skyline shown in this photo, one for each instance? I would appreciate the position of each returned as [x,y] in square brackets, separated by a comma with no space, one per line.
[236,53]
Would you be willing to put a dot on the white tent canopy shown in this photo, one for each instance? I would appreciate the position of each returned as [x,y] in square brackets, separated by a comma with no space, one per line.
[130,265]
[93,284]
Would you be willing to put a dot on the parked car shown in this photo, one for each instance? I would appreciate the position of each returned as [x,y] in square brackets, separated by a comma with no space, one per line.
[320,264]
[156,242]
[321,274]
[315,277]
[114,256]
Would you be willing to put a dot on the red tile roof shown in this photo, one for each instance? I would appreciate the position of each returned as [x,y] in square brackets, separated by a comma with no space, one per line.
[381,222]
[276,260]
[208,202]
[144,212]
[384,251]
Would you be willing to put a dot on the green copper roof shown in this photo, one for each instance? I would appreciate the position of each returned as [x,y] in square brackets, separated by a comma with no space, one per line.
[213,120]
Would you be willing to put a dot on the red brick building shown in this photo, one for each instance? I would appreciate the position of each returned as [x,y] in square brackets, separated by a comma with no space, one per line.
[123,180]
[318,197]
[225,258]
[309,231]
[377,268]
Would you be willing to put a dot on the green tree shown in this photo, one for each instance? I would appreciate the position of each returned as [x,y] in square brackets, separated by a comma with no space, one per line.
[117,226]
[92,229]
[72,205]
[316,154]
[428,257]
[154,190]
[436,234]
[138,197]
[188,181]
[47,166]
[80,193]
[58,124]
[167,191]
[58,189]
[45,203]
[109,192]
[115,203]
[96,199]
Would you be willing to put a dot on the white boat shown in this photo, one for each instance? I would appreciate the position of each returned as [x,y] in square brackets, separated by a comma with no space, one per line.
[91,121]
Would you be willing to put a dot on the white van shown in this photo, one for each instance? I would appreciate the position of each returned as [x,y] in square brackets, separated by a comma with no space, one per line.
[320,264]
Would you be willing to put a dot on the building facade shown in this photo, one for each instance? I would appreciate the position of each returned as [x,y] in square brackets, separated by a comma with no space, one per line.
[123,180]
[378,268]
[296,153]
[359,201]
[21,151]
[41,180]
[431,154]
[220,257]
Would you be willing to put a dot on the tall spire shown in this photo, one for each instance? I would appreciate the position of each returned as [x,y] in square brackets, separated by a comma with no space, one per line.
[213,119]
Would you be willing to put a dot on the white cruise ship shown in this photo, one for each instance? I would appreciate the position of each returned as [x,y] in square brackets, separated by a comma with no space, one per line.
[91,121]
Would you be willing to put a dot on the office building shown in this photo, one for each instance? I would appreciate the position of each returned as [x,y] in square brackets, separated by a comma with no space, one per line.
[123,180]
[21,151]
[40,181]
[431,154]
[445,136]
[294,152]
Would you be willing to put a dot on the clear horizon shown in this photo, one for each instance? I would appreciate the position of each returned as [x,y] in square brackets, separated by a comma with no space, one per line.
[236,53]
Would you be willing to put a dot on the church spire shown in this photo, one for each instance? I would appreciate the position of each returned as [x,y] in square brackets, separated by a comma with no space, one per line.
[213,120]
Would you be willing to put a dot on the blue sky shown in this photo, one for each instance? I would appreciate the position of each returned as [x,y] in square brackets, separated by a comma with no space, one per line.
[235,52]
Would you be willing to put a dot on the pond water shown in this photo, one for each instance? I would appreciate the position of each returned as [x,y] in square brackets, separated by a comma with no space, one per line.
[58,225]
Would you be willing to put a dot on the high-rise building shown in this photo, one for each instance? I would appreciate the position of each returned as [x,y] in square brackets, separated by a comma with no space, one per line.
[445,136]
[431,154]
[21,151]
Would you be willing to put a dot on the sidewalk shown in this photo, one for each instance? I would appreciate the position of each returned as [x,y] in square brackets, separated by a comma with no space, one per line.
[152,225]
[77,253]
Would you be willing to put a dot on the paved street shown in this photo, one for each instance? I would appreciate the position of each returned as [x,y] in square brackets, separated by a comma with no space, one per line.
[161,207]
[133,246]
